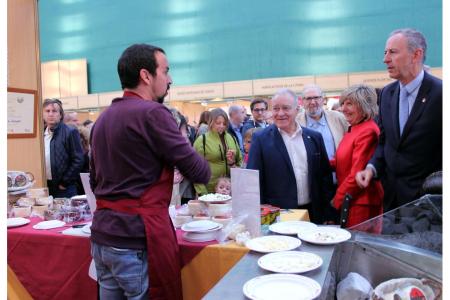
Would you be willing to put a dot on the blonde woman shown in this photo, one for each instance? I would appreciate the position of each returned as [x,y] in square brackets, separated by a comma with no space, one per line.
[359,106]
[219,148]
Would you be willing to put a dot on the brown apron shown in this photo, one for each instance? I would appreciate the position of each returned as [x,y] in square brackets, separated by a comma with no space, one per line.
[164,263]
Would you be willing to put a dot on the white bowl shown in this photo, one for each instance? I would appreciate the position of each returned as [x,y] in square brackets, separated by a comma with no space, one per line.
[219,209]
[200,236]
[224,220]
[195,207]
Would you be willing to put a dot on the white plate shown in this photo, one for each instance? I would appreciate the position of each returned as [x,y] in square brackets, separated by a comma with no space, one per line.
[75,231]
[291,227]
[87,228]
[323,235]
[281,286]
[213,198]
[15,222]
[290,262]
[199,237]
[201,226]
[49,224]
[273,243]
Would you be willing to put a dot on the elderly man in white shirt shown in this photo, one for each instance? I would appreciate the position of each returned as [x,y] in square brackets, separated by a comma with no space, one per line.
[293,164]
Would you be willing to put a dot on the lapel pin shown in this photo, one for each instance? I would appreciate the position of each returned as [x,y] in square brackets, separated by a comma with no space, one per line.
[424,99]
[308,136]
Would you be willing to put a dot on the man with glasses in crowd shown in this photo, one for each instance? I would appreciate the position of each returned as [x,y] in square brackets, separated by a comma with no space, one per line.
[331,124]
[258,107]
[294,171]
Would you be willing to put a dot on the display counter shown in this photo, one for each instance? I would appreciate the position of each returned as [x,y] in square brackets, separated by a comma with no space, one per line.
[406,242]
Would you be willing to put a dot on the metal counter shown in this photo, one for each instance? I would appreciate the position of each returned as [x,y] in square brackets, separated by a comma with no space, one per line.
[230,286]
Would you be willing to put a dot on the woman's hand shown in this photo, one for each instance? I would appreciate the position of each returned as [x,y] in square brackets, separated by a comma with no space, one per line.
[332,203]
[177,176]
[231,153]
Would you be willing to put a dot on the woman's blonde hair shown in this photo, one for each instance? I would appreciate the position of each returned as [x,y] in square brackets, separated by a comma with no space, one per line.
[214,114]
[364,96]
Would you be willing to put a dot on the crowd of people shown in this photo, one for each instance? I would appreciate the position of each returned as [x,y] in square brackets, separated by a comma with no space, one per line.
[375,152]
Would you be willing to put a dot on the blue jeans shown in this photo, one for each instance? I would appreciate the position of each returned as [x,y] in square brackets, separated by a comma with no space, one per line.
[121,273]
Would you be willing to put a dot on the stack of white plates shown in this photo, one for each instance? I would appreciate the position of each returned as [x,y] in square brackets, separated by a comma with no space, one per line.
[201,231]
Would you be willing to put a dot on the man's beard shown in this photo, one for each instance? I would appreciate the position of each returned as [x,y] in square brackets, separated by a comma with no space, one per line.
[161,99]
[316,113]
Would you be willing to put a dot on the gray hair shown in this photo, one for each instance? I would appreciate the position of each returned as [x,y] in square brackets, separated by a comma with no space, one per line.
[69,116]
[289,93]
[310,87]
[233,109]
[364,96]
[416,40]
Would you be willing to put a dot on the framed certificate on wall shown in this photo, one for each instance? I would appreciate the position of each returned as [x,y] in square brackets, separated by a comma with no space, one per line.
[22,113]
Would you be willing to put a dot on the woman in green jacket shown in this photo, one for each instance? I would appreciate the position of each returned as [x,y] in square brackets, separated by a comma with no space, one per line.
[219,148]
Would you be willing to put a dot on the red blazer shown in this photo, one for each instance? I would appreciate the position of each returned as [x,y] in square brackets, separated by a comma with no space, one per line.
[352,155]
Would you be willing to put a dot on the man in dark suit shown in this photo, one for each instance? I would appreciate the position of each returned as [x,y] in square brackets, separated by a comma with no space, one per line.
[410,120]
[292,161]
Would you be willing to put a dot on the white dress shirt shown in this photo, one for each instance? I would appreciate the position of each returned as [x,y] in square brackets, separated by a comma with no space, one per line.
[48,135]
[297,154]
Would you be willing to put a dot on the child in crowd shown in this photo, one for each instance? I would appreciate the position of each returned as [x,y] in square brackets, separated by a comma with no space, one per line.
[223,186]
[247,143]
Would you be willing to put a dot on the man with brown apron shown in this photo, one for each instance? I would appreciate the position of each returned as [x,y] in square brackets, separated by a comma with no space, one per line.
[135,144]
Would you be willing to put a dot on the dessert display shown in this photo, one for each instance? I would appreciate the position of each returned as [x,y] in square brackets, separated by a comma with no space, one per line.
[216,207]
[38,203]
[21,211]
[212,198]
[269,214]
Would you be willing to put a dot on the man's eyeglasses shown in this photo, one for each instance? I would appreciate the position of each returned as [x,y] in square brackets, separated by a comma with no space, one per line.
[259,110]
[317,98]
[285,108]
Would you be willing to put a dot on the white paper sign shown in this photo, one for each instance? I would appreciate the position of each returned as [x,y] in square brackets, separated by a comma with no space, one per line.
[246,199]
[89,194]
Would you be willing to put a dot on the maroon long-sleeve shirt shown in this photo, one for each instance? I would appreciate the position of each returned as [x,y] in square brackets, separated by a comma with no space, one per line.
[131,142]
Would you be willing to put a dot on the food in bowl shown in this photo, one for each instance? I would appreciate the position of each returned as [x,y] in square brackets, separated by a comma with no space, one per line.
[214,198]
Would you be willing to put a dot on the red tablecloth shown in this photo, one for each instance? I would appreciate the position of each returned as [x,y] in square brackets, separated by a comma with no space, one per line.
[52,265]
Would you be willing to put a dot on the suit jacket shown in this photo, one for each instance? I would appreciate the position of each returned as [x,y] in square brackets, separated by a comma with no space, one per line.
[403,162]
[278,187]
[336,122]
[231,131]
[249,124]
